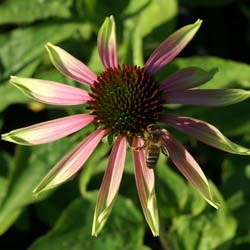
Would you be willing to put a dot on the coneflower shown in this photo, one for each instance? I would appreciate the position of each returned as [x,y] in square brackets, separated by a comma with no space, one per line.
[122,101]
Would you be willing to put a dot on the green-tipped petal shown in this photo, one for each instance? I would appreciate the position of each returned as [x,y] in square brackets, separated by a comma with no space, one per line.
[204,132]
[206,97]
[71,163]
[110,185]
[171,47]
[145,183]
[107,43]
[70,66]
[186,78]
[49,131]
[188,167]
[50,92]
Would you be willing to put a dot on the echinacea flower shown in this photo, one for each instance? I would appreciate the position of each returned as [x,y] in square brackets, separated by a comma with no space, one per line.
[122,101]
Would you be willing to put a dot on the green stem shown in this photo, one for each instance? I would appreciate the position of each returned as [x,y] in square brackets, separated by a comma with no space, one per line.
[164,239]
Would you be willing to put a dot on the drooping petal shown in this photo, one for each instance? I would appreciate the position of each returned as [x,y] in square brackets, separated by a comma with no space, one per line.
[186,78]
[188,166]
[71,163]
[171,47]
[48,131]
[145,183]
[206,97]
[50,92]
[107,43]
[70,66]
[204,132]
[110,185]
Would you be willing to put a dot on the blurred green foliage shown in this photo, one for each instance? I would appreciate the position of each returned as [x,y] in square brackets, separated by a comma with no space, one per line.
[62,219]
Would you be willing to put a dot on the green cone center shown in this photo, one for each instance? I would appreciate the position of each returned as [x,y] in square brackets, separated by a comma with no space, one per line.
[125,100]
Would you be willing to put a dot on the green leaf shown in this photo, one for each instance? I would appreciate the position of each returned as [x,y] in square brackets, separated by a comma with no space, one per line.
[98,10]
[30,166]
[124,229]
[145,19]
[5,170]
[3,188]
[210,230]
[12,11]
[206,3]
[21,47]
[171,189]
[11,95]
[50,209]
[236,178]
[139,25]
[195,203]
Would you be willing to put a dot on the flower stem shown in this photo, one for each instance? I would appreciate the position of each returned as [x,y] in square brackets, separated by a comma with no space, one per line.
[166,245]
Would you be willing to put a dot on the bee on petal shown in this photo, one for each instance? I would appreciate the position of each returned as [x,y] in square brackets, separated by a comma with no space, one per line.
[153,143]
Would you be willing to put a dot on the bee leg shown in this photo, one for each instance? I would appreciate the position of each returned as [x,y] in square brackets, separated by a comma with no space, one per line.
[138,148]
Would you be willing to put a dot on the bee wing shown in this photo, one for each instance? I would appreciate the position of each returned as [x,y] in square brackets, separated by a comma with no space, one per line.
[165,151]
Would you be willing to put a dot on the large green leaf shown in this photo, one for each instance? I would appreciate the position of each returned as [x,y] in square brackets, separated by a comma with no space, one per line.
[3,187]
[30,166]
[145,21]
[21,47]
[236,178]
[12,11]
[98,10]
[171,189]
[5,170]
[207,3]
[140,22]
[204,232]
[212,229]
[174,194]
[11,95]
[124,229]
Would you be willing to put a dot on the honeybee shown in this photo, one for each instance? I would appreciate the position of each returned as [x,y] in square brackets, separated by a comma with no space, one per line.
[153,143]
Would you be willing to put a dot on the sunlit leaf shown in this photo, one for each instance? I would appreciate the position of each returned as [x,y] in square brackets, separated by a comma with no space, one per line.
[31,164]
[139,26]
[12,11]
[236,178]
[171,189]
[21,47]
[206,231]
[208,3]
[72,230]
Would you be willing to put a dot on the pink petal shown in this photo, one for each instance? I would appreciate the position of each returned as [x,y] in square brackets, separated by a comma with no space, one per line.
[50,92]
[187,166]
[206,97]
[171,47]
[110,184]
[71,163]
[204,132]
[70,66]
[107,43]
[48,131]
[145,183]
[186,78]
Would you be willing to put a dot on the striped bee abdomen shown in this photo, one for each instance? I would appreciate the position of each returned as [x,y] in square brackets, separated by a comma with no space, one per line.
[152,156]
